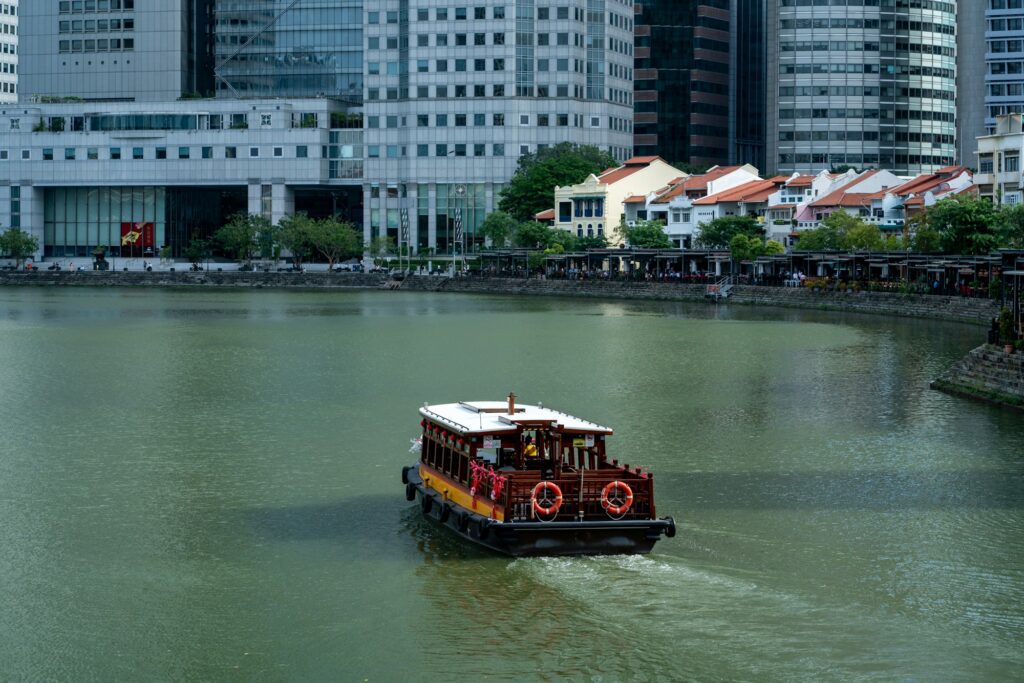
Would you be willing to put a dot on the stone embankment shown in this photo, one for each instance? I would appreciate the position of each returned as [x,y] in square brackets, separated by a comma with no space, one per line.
[960,309]
[989,374]
[138,278]
[976,311]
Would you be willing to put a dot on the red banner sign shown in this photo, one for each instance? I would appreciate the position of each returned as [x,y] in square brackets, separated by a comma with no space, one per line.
[138,236]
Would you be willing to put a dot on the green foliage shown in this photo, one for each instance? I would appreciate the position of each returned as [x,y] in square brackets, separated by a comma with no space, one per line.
[718,234]
[18,245]
[531,189]
[379,247]
[646,235]
[595,242]
[335,240]
[774,248]
[1006,331]
[1010,226]
[534,235]
[295,233]
[196,251]
[840,230]
[239,238]
[498,227]
[691,169]
[965,225]
[747,248]
[864,237]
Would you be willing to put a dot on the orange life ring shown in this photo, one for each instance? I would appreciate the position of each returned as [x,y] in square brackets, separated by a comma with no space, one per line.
[606,502]
[544,487]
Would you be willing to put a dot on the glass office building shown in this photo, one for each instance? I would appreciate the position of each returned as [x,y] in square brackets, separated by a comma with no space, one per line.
[282,48]
[867,85]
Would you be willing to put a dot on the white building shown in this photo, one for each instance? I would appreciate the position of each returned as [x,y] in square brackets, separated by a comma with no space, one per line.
[596,207]
[8,51]
[999,171]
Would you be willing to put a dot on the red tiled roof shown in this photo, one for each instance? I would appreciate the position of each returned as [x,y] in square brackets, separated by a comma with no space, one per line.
[840,197]
[800,181]
[754,191]
[628,168]
[635,199]
[694,183]
[546,215]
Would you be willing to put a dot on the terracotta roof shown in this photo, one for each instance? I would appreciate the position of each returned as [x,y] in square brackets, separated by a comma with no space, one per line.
[841,197]
[628,168]
[800,181]
[546,215]
[754,191]
[694,183]
[635,199]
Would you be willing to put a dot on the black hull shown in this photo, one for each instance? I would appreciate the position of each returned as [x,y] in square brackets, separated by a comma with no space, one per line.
[532,539]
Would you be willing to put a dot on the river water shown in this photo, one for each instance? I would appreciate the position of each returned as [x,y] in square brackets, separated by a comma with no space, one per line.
[205,485]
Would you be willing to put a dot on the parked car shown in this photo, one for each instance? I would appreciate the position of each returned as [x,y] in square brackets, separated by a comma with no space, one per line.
[348,268]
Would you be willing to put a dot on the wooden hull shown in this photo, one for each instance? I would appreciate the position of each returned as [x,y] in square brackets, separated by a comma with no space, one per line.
[529,539]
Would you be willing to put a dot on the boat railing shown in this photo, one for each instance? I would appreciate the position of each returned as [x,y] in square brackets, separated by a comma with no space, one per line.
[585,497]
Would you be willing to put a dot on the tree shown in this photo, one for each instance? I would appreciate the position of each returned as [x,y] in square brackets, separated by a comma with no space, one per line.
[744,248]
[965,224]
[596,242]
[335,240]
[691,169]
[379,247]
[18,245]
[774,248]
[1010,226]
[834,231]
[239,238]
[718,233]
[498,227]
[533,235]
[864,237]
[196,251]
[646,235]
[531,189]
[295,233]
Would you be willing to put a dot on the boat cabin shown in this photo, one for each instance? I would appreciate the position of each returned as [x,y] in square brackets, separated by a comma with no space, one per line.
[491,457]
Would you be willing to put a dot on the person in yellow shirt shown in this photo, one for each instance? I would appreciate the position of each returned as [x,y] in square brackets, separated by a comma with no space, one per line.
[530,449]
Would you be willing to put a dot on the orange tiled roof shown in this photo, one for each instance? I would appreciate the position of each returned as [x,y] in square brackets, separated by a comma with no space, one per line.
[800,181]
[546,215]
[635,199]
[694,183]
[840,197]
[754,191]
[628,168]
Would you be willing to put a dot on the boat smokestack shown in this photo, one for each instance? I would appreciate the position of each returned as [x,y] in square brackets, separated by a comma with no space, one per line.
[511,403]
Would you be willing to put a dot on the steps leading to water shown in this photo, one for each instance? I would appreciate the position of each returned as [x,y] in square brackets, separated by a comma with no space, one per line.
[986,373]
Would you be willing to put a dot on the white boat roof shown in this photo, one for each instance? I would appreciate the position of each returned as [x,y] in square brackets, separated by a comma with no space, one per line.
[490,417]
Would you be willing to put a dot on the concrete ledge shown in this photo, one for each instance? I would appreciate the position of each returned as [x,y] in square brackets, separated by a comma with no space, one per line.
[959,309]
[987,374]
[137,278]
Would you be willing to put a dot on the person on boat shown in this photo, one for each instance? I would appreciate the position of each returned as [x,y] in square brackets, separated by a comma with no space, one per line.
[530,449]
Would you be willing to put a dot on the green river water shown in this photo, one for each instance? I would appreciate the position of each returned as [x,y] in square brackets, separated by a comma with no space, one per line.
[205,486]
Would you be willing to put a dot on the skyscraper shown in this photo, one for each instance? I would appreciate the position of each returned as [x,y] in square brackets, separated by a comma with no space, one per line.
[861,85]
[747,83]
[8,50]
[972,74]
[1004,73]
[682,80]
[115,49]
[282,48]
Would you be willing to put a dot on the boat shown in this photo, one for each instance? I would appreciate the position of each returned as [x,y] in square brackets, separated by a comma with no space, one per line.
[527,480]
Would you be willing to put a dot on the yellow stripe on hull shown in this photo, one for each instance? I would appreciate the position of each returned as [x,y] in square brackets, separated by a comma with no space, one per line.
[456,494]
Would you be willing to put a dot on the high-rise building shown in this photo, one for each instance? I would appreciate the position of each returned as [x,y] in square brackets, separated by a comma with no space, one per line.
[8,50]
[1004,60]
[282,48]
[972,73]
[747,82]
[861,85]
[415,115]
[682,80]
[455,95]
[116,49]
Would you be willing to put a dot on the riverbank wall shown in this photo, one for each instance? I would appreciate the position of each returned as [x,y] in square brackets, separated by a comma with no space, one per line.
[164,278]
[953,308]
[987,374]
